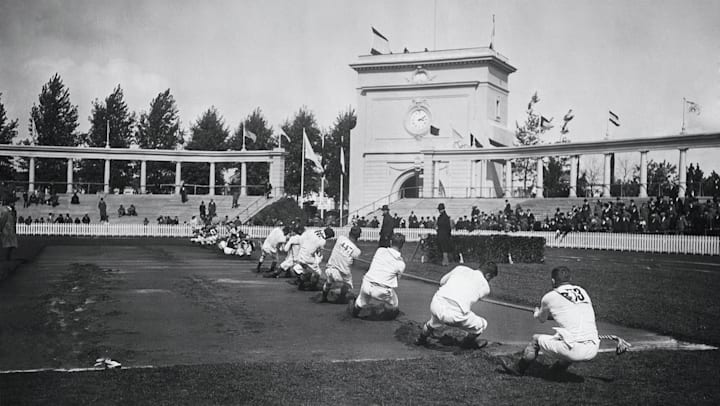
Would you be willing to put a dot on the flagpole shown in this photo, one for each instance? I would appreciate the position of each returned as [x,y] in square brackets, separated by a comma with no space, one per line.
[302,171]
[342,200]
[682,129]
[243,135]
[322,180]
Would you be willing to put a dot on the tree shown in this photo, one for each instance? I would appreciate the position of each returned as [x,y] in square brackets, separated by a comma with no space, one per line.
[555,179]
[257,172]
[529,133]
[711,185]
[304,119]
[8,131]
[207,133]
[109,116]
[160,129]
[662,178]
[694,179]
[340,132]
[591,174]
[56,120]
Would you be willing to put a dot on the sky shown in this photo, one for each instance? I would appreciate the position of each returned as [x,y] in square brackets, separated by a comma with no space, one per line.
[636,58]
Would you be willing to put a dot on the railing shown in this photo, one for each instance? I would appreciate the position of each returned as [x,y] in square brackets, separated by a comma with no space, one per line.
[674,244]
[252,209]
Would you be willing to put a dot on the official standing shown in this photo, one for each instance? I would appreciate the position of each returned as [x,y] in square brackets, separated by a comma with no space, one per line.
[443,234]
[387,228]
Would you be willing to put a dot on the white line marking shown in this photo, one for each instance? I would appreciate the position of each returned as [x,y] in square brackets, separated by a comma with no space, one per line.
[70,370]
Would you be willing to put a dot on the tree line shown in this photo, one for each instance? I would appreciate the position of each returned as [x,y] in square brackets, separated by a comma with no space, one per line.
[54,121]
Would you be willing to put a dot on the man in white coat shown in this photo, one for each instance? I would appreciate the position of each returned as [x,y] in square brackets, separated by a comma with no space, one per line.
[452,304]
[381,279]
[337,272]
[273,242]
[307,264]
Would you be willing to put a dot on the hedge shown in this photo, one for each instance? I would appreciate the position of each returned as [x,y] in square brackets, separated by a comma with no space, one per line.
[283,211]
[483,248]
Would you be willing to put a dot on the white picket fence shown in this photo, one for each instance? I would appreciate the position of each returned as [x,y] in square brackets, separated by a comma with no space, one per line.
[676,244]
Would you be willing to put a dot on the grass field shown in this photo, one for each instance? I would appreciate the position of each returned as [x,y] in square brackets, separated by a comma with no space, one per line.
[670,294]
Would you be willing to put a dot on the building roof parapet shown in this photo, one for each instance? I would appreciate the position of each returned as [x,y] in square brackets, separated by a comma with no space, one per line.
[135,154]
[482,55]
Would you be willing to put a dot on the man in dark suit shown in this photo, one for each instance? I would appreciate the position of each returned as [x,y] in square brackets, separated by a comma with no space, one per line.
[443,234]
[387,228]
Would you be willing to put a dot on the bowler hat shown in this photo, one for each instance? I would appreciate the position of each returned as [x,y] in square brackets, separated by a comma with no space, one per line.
[441,206]
[385,207]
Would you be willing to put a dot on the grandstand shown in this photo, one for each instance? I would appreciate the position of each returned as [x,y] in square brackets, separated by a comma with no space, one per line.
[150,206]
[461,207]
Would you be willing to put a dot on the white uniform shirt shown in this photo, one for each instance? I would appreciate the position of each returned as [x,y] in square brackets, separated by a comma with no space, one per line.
[463,286]
[386,267]
[343,254]
[292,246]
[275,238]
[310,242]
[570,306]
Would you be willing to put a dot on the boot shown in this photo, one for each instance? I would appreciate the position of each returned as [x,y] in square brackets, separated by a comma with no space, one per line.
[259,267]
[272,266]
[517,369]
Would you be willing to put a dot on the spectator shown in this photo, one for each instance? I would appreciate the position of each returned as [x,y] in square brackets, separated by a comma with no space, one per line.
[75,199]
[183,194]
[103,210]
[121,211]
[443,234]
[86,219]
[212,209]
[131,210]
[146,221]
[202,209]
[77,220]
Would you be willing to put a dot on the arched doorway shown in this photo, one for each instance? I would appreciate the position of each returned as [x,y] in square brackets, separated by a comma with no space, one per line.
[409,185]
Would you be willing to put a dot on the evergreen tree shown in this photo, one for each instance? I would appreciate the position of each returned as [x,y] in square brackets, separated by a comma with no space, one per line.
[529,134]
[257,172]
[160,129]
[304,119]
[8,131]
[208,133]
[56,120]
[662,178]
[111,115]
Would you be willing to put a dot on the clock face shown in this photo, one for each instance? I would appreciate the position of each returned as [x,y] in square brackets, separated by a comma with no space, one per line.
[418,121]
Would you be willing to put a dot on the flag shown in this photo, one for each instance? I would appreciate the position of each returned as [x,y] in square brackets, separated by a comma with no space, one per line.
[434,130]
[614,118]
[474,142]
[693,107]
[249,134]
[284,134]
[492,36]
[33,130]
[310,153]
[380,44]
[569,116]
[441,189]
[107,134]
[342,160]
[545,123]
[533,100]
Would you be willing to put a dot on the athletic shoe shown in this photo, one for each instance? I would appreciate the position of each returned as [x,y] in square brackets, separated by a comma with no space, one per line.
[511,367]
[421,340]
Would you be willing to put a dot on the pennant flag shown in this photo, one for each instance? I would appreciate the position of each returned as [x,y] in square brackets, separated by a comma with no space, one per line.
[492,36]
[342,160]
[569,116]
[249,134]
[380,44]
[614,118]
[545,123]
[434,130]
[693,107]
[107,134]
[33,129]
[474,142]
[284,134]
[441,189]
[310,153]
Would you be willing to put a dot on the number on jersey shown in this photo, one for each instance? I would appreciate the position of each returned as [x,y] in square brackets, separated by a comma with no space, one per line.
[575,295]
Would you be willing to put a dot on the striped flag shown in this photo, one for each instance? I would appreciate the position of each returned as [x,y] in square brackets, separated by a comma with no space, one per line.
[249,134]
[569,116]
[614,118]
[545,123]
[434,130]
[380,44]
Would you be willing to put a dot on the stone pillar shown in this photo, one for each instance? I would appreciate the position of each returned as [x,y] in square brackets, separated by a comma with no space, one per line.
[508,178]
[682,173]
[69,188]
[277,174]
[106,178]
[482,173]
[211,183]
[243,179]
[539,179]
[606,176]
[573,175]
[428,176]
[31,175]
[143,177]
[178,177]
[643,174]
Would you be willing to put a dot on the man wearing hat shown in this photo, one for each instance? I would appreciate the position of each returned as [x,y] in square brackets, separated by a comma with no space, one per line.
[443,234]
[387,228]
